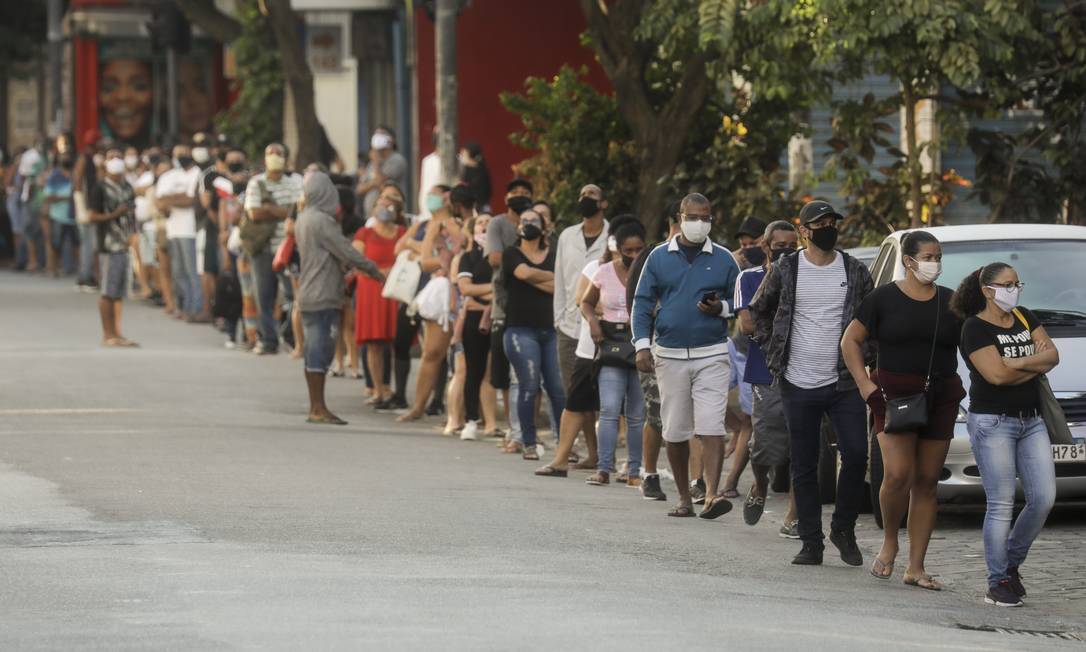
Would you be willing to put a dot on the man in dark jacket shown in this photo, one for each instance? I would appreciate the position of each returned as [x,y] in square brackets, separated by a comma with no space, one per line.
[800,312]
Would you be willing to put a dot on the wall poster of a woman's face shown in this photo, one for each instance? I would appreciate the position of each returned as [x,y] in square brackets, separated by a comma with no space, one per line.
[126,99]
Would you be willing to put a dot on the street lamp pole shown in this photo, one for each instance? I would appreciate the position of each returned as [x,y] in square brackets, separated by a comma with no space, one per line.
[445,49]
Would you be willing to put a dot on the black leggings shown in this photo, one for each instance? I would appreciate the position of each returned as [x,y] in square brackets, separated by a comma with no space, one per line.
[476,348]
[406,329]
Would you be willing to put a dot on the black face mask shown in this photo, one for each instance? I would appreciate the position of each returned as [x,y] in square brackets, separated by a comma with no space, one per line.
[235,167]
[754,255]
[777,253]
[588,206]
[185,161]
[518,204]
[530,232]
[824,238]
[628,261]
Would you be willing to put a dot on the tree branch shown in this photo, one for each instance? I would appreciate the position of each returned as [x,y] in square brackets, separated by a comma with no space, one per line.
[207,17]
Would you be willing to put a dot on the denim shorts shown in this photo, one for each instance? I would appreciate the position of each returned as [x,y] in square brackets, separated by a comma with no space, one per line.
[321,328]
[113,274]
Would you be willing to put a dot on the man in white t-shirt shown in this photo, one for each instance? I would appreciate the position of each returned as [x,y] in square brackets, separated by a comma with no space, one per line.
[175,193]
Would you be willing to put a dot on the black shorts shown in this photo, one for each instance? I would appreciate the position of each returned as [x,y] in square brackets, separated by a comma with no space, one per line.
[584,392]
[211,248]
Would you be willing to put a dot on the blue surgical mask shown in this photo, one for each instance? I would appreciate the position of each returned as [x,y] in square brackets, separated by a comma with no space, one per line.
[434,203]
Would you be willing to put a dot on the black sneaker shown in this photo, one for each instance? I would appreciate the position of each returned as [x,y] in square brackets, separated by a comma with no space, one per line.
[753,508]
[697,491]
[1001,595]
[393,403]
[435,410]
[846,543]
[1015,582]
[650,488]
[810,555]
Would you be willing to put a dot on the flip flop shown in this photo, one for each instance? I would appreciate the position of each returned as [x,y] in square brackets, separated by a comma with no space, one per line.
[682,511]
[881,570]
[326,421]
[925,581]
[719,507]
[730,494]
[549,471]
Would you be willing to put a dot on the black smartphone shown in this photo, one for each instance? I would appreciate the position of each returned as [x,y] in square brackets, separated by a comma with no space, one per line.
[708,297]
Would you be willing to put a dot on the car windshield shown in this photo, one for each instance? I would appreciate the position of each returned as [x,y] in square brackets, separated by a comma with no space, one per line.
[1052,271]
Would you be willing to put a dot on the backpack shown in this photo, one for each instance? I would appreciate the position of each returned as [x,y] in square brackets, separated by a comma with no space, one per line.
[227,300]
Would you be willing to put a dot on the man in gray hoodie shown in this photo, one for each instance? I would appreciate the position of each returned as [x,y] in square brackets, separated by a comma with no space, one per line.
[324,252]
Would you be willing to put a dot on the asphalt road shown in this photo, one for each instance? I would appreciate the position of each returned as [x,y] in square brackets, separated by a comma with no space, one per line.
[172,497]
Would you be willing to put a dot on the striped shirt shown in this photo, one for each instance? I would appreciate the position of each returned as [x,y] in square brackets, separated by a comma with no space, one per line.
[814,346]
[284,192]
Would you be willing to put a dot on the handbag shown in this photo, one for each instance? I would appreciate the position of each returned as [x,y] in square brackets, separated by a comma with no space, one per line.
[255,235]
[402,282]
[910,413]
[432,302]
[283,254]
[1051,411]
[616,349]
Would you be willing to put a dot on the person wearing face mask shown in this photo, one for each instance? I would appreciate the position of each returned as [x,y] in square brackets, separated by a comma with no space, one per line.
[749,236]
[175,195]
[269,197]
[474,281]
[57,193]
[385,164]
[799,314]
[688,282]
[769,434]
[530,342]
[111,209]
[918,354]
[1006,349]
[375,316]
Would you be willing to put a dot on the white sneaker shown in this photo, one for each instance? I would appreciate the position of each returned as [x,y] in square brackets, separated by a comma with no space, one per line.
[470,432]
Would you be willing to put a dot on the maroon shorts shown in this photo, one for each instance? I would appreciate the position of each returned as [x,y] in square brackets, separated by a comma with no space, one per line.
[946,396]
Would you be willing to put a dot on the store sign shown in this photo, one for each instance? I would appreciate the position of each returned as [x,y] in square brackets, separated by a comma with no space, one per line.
[324,47]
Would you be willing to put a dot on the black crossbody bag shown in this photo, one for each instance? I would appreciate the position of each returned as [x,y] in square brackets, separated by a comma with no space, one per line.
[616,349]
[910,413]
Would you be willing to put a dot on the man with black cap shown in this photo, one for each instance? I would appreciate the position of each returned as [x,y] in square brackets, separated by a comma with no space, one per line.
[799,313]
[749,236]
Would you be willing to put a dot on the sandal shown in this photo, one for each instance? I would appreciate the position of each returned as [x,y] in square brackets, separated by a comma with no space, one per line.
[551,472]
[585,465]
[599,478]
[574,458]
[326,421]
[682,510]
[925,581]
[530,454]
[730,494]
[719,507]
[512,447]
[882,570]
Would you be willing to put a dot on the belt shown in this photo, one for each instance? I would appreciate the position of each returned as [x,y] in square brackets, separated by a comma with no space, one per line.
[1028,413]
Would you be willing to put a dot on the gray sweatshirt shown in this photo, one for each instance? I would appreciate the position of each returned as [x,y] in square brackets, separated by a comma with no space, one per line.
[323,249]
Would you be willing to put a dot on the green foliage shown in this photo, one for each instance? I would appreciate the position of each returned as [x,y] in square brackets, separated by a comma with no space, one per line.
[256,118]
[22,34]
[1018,189]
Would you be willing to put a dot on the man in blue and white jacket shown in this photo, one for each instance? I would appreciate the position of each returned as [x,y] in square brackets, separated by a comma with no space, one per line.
[692,280]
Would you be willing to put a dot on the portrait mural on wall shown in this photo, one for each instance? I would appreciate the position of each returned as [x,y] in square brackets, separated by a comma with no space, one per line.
[132,92]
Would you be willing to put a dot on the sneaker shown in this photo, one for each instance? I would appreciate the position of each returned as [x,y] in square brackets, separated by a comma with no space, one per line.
[753,508]
[260,349]
[1015,581]
[230,345]
[435,410]
[1002,595]
[810,555]
[470,432]
[697,491]
[390,405]
[845,540]
[789,530]
[650,488]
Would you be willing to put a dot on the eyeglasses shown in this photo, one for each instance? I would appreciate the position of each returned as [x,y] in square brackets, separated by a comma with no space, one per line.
[706,217]
[1008,285]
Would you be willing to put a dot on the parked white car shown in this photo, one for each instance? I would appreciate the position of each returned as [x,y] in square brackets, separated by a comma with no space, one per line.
[1051,260]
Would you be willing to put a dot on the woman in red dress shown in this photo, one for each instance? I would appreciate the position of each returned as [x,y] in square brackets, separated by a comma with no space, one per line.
[375,316]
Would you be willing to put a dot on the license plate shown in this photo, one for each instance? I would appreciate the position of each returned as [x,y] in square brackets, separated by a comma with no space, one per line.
[1069,452]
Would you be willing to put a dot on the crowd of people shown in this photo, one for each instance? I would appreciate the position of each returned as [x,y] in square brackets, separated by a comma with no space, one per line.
[606,335]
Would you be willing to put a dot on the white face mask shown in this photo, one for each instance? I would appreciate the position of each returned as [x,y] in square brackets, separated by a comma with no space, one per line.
[115,166]
[927,271]
[695,230]
[131,161]
[200,155]
[380,141]
[1005,298]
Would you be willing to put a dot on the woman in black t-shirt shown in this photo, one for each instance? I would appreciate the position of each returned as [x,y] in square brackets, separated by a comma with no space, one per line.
[1006,349]
[917,337]
[473,278]
[530,341]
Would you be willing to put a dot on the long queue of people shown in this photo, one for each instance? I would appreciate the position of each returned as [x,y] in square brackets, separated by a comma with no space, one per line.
[605,334]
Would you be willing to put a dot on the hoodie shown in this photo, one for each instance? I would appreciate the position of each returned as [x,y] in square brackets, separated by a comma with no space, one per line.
[323,249]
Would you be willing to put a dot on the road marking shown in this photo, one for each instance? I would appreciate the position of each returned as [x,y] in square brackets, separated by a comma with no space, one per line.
[51,411]
[80,431]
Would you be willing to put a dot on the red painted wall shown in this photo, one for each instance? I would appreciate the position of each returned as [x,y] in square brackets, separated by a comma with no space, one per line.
[499,43]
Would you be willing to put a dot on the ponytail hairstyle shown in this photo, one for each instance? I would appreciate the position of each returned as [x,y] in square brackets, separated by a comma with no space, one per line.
[968,299]
[913,240]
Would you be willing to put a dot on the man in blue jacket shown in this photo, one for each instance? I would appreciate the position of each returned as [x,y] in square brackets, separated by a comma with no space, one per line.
[690,278]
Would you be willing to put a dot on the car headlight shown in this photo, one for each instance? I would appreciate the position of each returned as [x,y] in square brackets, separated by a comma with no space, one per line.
[963,415]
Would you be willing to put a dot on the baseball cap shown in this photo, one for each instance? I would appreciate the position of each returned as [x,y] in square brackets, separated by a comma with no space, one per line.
[816,210]
[752,226]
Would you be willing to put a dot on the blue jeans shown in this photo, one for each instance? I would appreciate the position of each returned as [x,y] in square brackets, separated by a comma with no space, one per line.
[803,411]
[186,278]
[266,288]
[321,328]
[533,352]
[620,386]
[1006,446]
[88,249]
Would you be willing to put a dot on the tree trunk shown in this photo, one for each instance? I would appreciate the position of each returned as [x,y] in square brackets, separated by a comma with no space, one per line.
[659,154]
[285,26]
[912,161]
[445,65]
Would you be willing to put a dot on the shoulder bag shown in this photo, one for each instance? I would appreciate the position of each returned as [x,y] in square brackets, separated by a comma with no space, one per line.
[255,235]
[910,413]
[1051,411]
[402,282]
[616,349]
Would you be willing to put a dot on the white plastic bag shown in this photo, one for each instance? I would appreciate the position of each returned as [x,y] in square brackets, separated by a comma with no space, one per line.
[403,279]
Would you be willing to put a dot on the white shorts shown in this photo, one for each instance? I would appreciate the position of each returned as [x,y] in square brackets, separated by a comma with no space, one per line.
[693,396]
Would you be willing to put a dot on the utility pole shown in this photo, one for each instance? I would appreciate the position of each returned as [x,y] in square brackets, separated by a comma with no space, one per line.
[445,51]
[55,13]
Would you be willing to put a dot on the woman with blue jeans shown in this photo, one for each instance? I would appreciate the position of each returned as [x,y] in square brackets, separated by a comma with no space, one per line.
[619,384]
[530,340]
[1006,349]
